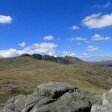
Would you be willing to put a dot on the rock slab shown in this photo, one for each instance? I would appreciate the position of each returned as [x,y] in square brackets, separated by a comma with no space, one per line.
[50,97]
[106,105]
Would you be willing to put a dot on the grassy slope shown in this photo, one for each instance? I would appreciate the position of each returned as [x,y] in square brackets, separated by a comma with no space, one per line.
[25,70]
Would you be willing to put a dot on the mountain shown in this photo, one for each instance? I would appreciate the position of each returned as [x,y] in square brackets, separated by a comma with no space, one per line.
[107,63]
[29,69]
[20,75]
[64,60]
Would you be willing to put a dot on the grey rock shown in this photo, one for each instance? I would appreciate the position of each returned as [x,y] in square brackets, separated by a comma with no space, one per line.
[101,108]
[33,99]
[1,110]
[15,104]
[69,102]
[107,98]
[50,97]
[37,101]
[42,104]
[106,105]
[54,89]
[73,102]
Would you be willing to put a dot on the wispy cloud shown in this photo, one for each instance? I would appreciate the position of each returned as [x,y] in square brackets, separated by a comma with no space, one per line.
[78,39]
[92,48]
[74,27]
[23,44]
[49,37]
[97,21]
[5,19]
[103,6]
[97,37]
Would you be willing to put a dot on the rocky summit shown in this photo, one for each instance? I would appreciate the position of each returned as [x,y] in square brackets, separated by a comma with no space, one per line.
[58,97]
[50,97]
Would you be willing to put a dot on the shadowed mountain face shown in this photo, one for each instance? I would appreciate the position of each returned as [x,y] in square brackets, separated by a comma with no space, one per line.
[64,60]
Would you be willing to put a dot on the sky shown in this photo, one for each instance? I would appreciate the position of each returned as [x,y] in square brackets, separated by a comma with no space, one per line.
[78,28]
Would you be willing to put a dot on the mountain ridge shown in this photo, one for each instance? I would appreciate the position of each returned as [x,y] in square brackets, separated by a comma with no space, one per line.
[64,60]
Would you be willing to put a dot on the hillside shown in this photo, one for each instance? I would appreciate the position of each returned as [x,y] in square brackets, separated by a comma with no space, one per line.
[107,63]
[28,69]
[26,73]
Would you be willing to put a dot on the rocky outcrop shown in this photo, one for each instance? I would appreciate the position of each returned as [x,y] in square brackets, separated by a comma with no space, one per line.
[9,88]
[58,97]
[37,56]
[105,105]
[1,110]
[15,104]
[63,60]
[72,60]
[50,97]
[54,89]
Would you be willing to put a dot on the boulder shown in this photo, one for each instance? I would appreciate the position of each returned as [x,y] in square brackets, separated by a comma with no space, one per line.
[72,102]
[54,89]
[69,102]
[35,102]
[1,110]
[15,104]
[101,108]
[107,98]
[50,97]
[106,105]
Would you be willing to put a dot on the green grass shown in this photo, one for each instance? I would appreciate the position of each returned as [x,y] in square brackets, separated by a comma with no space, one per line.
[25,70]
[28,70]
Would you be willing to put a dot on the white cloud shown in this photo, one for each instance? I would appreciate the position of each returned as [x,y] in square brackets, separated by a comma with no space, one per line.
[23,44]
[10,53]
[92,48]
[97,37]
[103,6]
[5,19]
[84,54]
[66,53]
[98,21]
[49,37]
[75,27]
[40,48]
[78,39]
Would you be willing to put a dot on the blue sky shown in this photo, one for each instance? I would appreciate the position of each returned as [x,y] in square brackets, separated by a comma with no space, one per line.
[56,27]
